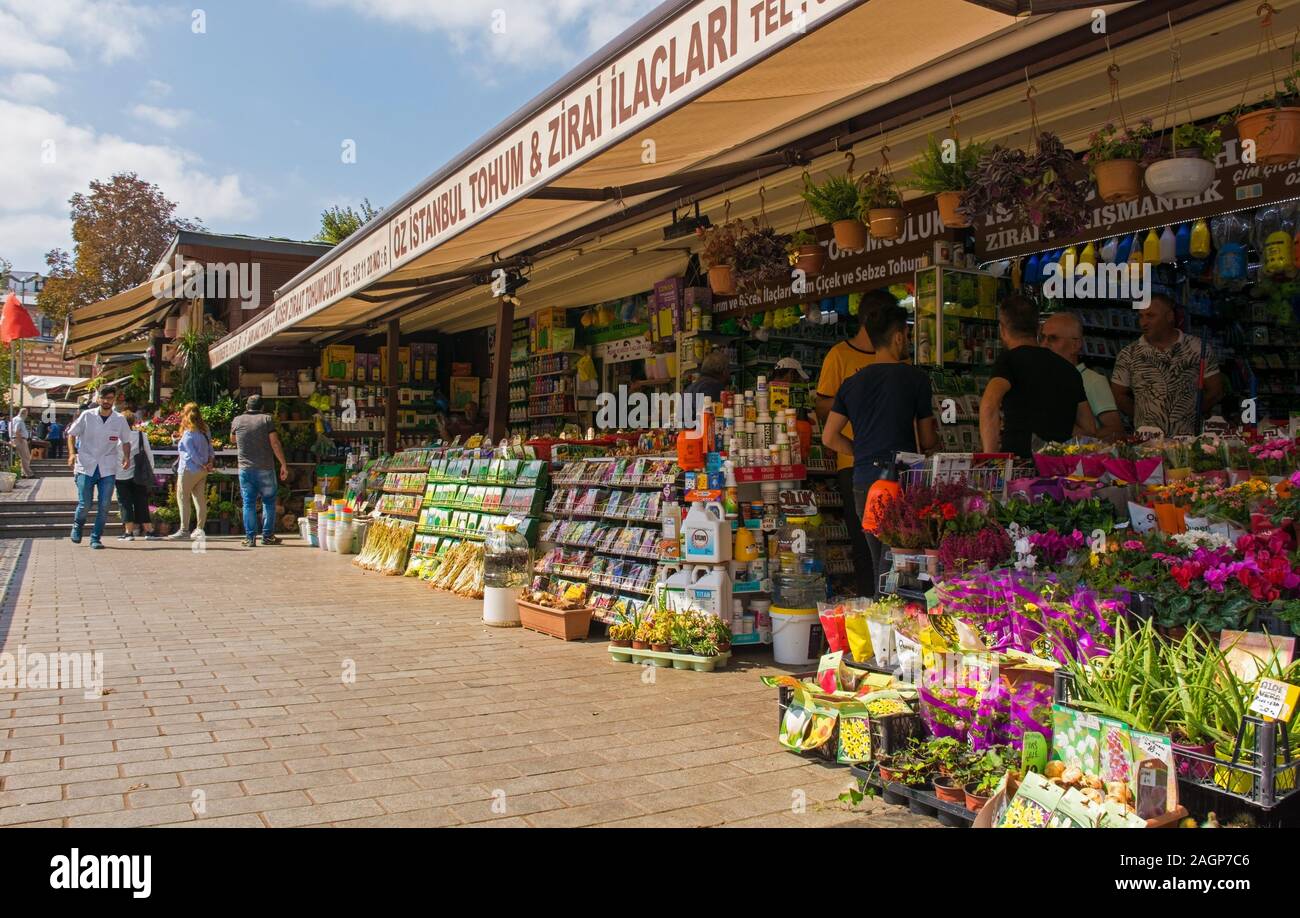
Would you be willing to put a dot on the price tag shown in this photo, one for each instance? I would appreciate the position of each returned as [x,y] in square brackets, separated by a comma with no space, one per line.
[931,598]
[1275,700]
[1033,754]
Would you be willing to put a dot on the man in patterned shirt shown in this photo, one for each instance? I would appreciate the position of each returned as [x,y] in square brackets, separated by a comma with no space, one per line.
[1158,378]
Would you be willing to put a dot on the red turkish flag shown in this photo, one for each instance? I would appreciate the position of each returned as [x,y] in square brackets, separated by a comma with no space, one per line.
[17,322]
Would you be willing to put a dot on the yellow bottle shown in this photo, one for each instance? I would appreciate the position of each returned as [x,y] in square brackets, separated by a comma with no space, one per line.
[1069,260]
[1278,253]
[1088,256]
[1200,246]
[1151,248]
[1017,273]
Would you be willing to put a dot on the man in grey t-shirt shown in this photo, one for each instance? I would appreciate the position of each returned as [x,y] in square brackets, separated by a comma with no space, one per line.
[259,446]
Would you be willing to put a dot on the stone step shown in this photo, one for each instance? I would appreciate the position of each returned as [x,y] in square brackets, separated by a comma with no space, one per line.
[52,530]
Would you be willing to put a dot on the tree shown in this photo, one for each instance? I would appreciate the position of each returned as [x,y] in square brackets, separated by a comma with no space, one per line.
[120,230]
[338,223]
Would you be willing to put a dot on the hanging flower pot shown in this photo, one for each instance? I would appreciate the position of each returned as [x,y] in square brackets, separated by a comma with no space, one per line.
[850,235]
[1275,131]
[810,259]
[1180,176]
[949,202]
[886,222]
[722,280]
[1118,180]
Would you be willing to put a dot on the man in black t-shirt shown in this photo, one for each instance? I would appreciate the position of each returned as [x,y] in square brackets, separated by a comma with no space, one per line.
[1034,392]
[889,406]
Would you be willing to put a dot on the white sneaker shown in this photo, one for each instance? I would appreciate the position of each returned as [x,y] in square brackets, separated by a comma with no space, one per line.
[198,534]
[176,535]
[126,537]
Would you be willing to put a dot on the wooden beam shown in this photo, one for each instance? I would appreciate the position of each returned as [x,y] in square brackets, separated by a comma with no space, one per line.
[390,390]
[499,413]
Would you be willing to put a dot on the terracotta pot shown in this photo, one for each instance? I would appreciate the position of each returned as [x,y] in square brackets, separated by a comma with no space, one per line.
[948,202]
[722,280]
[888,776]
[974,802]
[810,259]
[1118,180]
[724,647]
[1276,132]
[1179,176]
[640,645]
[949,793]
[850,235]
[886,222]
[660,648]
[621,643]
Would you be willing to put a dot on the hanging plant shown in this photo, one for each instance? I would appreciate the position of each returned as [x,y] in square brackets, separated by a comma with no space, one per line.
[838,201]
[761,258]
[719,255]
[806,254]
[1272,123]
[1042,188]
[883,205]
[946,170]
[1117,157]
[1189,169]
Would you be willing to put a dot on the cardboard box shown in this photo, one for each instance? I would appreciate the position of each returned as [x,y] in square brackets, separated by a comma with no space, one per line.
[563,339]
[338,361]
[464,389]
[403,365]
[550,317]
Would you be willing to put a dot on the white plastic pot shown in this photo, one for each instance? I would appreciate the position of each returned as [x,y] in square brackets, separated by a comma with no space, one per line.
[7,481]
[1180,176]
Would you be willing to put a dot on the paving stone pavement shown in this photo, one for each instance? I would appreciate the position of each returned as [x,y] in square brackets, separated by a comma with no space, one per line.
[227,703]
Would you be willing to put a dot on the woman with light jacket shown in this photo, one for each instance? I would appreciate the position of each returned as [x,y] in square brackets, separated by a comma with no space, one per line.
[192,468]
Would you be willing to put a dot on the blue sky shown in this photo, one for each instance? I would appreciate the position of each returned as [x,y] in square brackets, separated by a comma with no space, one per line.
[240,114]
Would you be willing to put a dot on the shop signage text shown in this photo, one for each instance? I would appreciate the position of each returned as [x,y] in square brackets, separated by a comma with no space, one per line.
[880,264]
[699,49]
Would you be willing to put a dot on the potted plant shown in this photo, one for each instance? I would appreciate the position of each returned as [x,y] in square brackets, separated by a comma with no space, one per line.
[721,634]
[1116,159]
[661,636]
[1043,188]
[806,254]
[621,633]
[682,636]
[567,617]
[838,201]
[761,258]
[1273,123]
[1189,170]
[719,256]
[979,791]
[883,205]
[945,171]
[644,632]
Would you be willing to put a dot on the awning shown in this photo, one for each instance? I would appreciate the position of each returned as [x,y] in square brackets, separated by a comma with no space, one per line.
[84,385]
[689,85]
[121,318]
[45,383]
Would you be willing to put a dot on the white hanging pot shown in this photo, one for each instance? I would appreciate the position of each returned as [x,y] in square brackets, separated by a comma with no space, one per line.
[1180,176]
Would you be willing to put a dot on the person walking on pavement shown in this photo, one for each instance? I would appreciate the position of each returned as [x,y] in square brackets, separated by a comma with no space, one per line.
[133,485]
[55,436]
[101,447]
[20,437]
[259,446]
[192,468]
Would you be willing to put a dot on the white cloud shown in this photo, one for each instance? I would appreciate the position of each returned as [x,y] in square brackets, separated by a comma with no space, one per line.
[157,89]
[36,31]
[34,193]
[28,87]
[531,33]
[167,119]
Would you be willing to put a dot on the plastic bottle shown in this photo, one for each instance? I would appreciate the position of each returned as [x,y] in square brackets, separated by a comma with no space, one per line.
[730,505]
[1108,250]
[761,404]
[1168,247]
[1151,248]
[1183,242]
[706,533]
[1199,244]
[1088,256]
[1230,233]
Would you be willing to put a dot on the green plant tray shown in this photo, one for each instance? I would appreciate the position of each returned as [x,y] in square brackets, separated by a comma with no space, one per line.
[666,658]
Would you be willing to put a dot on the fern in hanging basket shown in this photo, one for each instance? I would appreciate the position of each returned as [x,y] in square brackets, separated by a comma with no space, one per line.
[1044,188]
[761,258]
[838,198]
[942,168]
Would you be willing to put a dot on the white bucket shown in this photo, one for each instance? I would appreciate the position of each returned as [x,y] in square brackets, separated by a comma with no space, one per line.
[792,636]
[7,481]
[500,607]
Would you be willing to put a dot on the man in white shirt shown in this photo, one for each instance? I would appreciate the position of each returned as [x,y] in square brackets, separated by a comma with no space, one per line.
[99,446]
[19,436]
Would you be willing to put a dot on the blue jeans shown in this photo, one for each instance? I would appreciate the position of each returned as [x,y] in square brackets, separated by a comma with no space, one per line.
[85,485]
[255,484]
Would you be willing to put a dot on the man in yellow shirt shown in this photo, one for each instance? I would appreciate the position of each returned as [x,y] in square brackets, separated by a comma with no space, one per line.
[843,360]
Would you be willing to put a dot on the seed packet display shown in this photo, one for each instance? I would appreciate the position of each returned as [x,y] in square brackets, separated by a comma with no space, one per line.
[855,733]
[1116,752]
[1074,812]
[1033,805]
[1155,779]
[1076,739]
